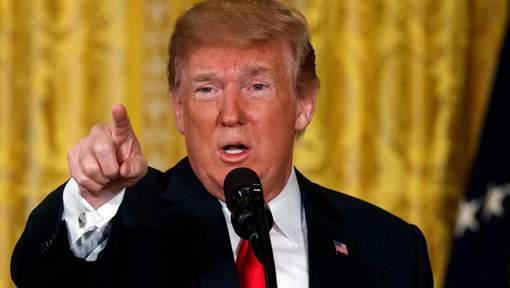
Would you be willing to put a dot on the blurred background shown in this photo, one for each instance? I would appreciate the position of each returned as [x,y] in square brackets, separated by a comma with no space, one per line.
[405,89]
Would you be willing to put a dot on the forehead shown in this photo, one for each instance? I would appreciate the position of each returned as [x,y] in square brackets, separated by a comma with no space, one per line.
[273,58]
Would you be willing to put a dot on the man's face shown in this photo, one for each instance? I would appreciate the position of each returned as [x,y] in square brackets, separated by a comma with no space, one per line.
[239,108]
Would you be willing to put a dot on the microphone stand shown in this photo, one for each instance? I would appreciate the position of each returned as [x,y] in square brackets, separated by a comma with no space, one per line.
[263,249]
[251,217]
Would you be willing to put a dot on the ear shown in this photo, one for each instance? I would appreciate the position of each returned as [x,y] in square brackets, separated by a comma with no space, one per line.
[175,99]
[306,106]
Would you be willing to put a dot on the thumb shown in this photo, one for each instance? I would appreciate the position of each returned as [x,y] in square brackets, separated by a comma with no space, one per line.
[121,124]
[134,167]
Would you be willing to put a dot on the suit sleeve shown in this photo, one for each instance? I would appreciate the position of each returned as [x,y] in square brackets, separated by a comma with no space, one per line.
[424,277]
[42,257]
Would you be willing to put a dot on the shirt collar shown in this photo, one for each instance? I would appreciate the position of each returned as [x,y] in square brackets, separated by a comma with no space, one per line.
[287,211]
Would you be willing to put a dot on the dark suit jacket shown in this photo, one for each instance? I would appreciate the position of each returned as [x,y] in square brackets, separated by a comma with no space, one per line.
[170,232]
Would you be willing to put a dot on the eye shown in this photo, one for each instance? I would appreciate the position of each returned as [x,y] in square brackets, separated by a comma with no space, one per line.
[258,87]
[206,92]
[204,89]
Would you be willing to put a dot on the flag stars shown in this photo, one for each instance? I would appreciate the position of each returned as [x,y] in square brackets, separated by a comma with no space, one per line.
[492,200]
[493,205]
[466,217]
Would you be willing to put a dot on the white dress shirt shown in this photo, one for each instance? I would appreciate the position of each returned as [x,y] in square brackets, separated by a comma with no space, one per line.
[288,235]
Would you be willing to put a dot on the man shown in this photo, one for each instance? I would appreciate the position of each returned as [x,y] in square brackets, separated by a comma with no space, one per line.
[242,88]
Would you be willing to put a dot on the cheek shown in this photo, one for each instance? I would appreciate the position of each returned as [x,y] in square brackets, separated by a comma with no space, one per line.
[199,116]
[199,122]
[278,125]
[286,115]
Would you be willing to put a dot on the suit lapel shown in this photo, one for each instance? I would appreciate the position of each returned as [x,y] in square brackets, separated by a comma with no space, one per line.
[325,225]
[217,262]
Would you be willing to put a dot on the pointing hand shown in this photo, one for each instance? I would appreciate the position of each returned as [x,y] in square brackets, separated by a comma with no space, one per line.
[107,160]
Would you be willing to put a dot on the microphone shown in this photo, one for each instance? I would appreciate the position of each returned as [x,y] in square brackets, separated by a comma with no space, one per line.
[251,217]
[245,200]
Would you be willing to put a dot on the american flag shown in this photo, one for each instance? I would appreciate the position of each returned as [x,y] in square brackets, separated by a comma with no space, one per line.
[340,248]
[480,256]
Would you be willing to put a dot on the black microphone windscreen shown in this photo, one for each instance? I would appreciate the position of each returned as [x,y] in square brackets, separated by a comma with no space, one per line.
[244,197]
[237,179]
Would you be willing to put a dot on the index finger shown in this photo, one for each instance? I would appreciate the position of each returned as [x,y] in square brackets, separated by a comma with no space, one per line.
[121,125]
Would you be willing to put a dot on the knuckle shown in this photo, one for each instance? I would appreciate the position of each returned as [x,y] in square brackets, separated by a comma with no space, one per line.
[82,180]
[97,128]
[103,149]
[82,144]
[90,168]
[96,188]
[73,153]
[88,184]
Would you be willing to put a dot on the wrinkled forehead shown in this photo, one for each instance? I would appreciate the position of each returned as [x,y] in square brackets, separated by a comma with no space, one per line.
[272,57]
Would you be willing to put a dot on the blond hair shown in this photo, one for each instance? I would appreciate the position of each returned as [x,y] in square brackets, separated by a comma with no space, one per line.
[242,23]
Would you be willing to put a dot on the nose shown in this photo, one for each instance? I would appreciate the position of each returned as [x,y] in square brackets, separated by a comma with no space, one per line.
[231,108]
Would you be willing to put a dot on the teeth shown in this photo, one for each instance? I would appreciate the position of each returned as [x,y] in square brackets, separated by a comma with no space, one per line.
[233,151]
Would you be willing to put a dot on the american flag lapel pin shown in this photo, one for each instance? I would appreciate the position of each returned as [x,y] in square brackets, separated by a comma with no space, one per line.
[340,248]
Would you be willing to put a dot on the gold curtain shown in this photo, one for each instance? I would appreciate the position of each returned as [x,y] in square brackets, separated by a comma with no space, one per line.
[404,89]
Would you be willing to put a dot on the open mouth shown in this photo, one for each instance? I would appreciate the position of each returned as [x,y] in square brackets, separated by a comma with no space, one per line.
[234,149]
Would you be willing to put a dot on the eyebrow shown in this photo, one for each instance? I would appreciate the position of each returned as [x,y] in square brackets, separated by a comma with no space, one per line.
[250,72]
[257,70]
[204,77]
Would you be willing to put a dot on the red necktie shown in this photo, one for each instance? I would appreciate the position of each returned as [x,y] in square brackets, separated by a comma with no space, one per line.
[249,269]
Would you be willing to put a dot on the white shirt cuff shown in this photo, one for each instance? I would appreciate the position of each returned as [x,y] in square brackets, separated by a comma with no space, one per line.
[81,217]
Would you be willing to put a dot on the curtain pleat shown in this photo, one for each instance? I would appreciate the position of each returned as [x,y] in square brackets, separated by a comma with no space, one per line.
[404,86]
